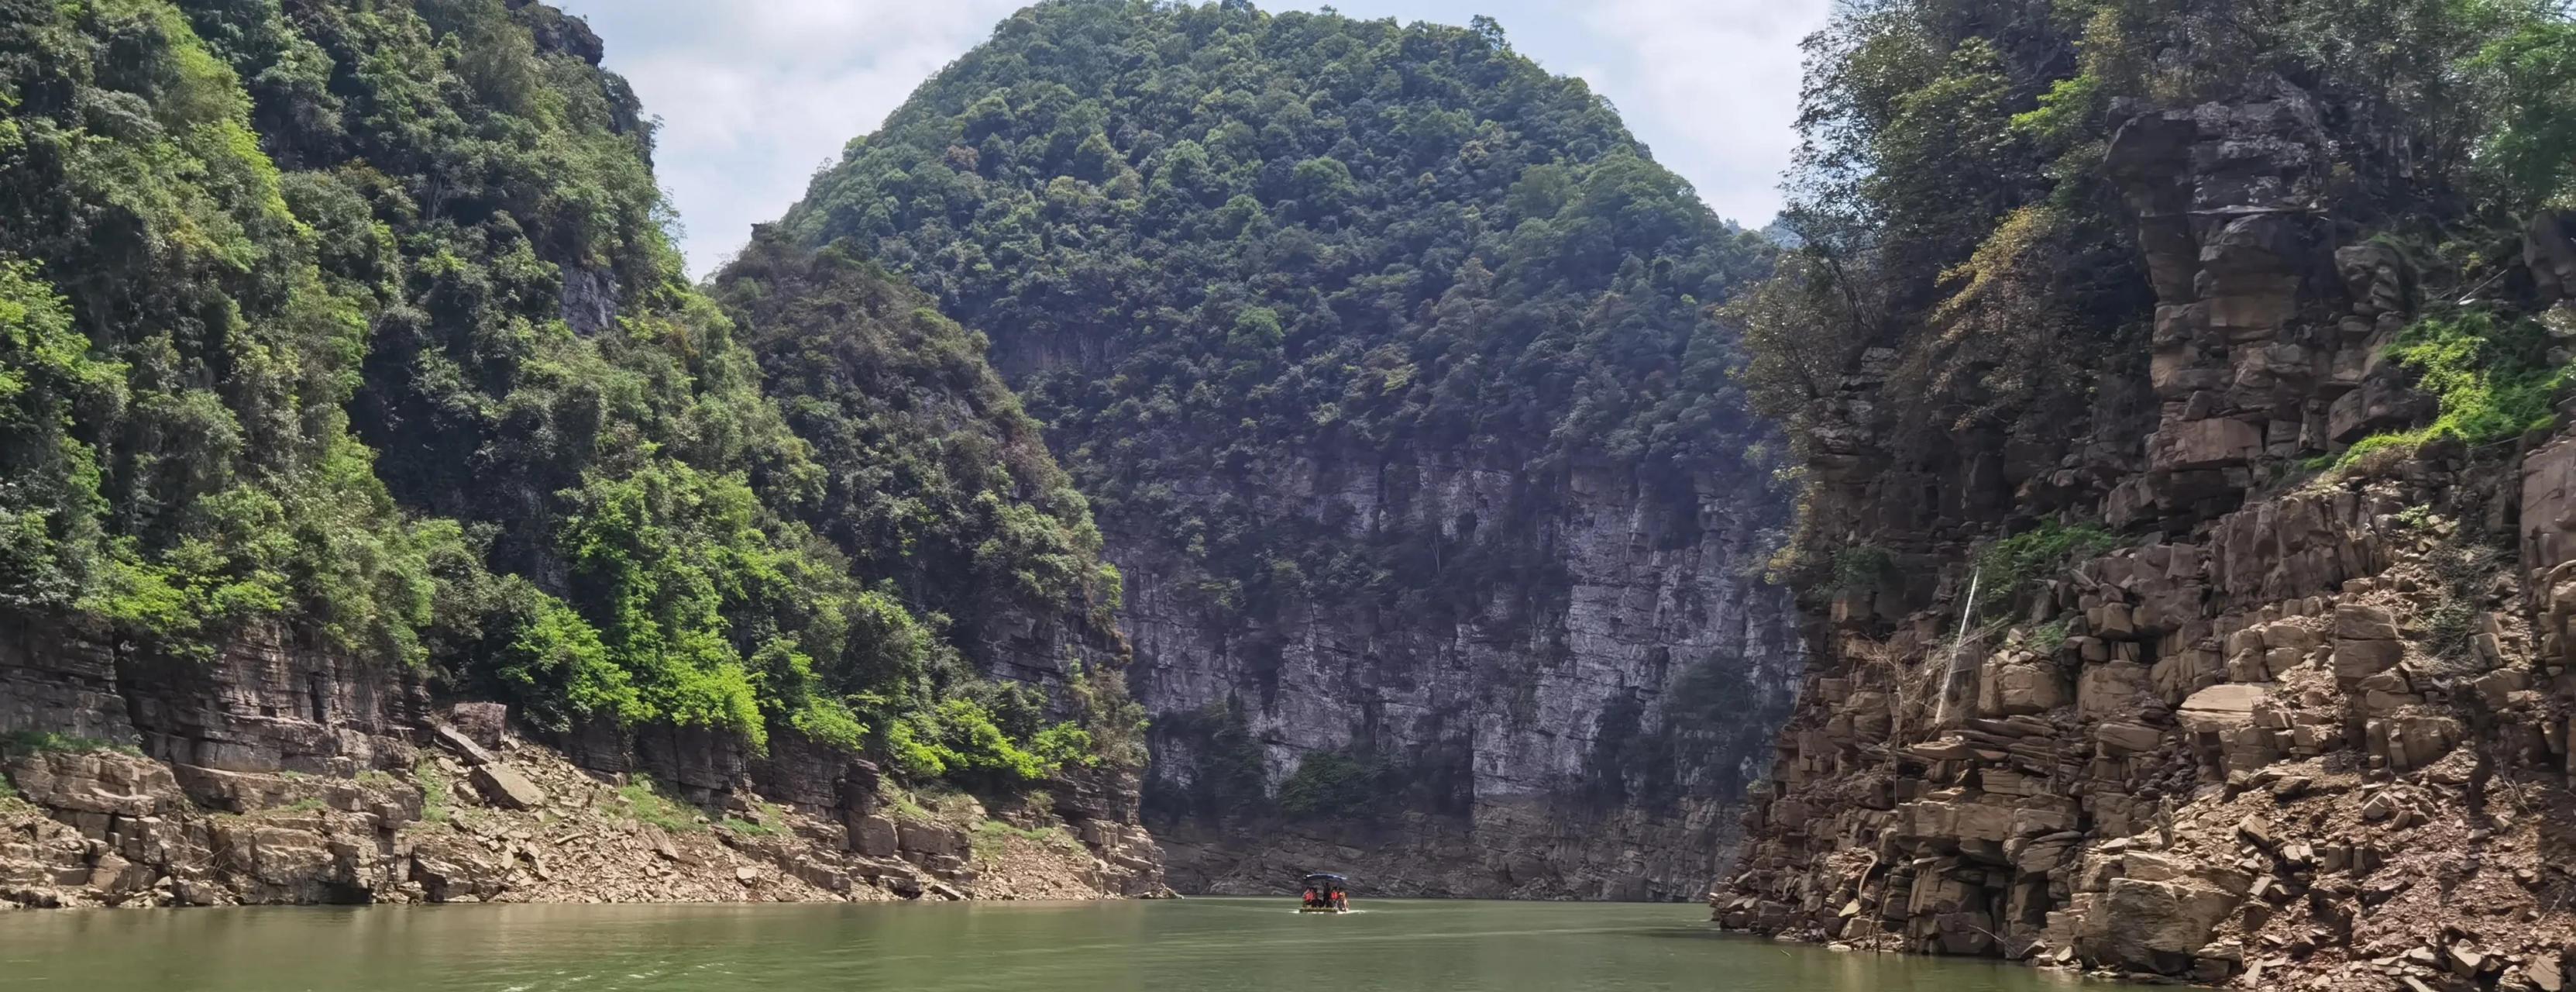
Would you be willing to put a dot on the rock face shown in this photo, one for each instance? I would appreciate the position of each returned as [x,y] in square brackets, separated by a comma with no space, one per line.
[1517,705]
[2292,733]
[275,774]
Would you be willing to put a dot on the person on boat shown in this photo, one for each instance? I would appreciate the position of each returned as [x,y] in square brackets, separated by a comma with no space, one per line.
[1341,900]
[1310,896]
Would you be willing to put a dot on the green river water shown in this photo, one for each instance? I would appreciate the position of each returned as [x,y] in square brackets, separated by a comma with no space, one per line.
[1215,944]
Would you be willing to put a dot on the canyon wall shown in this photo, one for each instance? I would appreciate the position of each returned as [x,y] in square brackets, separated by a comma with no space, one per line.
[2244,702]
[1542,709]
[1386,361]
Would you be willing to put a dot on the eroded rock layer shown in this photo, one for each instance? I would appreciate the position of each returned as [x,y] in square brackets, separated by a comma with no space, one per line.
[1529,728]
[280,775]
[2266,726]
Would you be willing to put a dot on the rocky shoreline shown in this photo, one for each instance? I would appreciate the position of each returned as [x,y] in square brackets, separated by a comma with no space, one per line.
[280,774]
[2274,724]
[100,827]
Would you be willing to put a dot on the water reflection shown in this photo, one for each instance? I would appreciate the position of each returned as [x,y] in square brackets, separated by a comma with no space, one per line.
[1231,944]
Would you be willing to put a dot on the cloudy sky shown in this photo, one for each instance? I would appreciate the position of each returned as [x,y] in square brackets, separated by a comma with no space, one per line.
[755,95]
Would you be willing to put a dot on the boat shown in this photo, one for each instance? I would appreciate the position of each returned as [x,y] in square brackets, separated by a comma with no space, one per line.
[1326,893]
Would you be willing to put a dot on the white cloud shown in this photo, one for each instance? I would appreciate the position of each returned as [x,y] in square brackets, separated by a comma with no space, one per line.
[754,95]
[1712,85]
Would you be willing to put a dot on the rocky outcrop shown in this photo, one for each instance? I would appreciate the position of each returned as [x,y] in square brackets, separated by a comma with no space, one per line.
[1510,711]
[2239,757]
[2299,732]
[276,774]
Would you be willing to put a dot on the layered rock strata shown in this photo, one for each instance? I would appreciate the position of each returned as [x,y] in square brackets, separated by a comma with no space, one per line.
[2302,732]
[1518,705]
[276,774]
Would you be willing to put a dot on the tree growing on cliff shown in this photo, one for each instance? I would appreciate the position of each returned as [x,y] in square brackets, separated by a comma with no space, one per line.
[359,321]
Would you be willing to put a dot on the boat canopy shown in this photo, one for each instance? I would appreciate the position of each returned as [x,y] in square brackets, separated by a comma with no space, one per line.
[1324,876]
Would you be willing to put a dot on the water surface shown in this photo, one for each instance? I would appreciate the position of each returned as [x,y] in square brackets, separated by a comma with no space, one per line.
[1254,945]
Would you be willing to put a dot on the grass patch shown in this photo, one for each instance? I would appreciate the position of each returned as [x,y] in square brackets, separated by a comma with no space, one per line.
[646,803]
[927,805]
[44,741]
[2489,376]
[2011,565]
[376,778]
[908,808]
[2048,637]
[772,822]
[8,792]
[436,792]
[305,805]
[993,837]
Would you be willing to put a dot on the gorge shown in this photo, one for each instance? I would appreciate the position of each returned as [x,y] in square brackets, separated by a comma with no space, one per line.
[390,519]
[2116,518]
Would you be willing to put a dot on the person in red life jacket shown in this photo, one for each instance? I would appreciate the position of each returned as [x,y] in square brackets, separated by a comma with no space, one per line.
[1310,897]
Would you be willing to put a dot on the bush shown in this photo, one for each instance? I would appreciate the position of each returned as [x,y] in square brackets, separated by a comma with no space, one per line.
[2008,568]
[1333,783]
[2489,375]
[437,794]
[1862,567]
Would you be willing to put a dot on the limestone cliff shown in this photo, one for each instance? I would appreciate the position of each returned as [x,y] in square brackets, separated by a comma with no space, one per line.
[280,774]
[1385,359]
[2233,699]
[1528,728]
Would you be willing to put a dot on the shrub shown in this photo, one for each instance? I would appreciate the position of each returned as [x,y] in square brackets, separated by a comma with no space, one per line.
[2489,376]
[2008,567]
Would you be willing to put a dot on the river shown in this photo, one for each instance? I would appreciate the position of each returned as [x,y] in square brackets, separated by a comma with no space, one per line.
[1231,944]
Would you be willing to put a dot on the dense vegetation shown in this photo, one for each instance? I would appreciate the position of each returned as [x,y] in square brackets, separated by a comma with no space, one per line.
[1950,201]
[1210,242]
[359,319]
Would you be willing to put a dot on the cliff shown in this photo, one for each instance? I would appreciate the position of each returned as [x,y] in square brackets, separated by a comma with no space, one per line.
[1591,743]
[278,774]
[1385,360]
[2231,646]
[350,387]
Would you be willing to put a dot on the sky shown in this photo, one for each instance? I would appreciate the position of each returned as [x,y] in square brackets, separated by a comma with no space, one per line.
[756,95]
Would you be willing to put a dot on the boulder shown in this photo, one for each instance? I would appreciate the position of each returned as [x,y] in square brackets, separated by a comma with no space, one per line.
[502,785]
[2161,925]
[2116,689]
[2121,737]
[2363,622]
[2028,689]
[2362,659]
[485,723]
[2217,442]
[929,839]
[2222,707]
[2383,403]
[460,743]
[876,836]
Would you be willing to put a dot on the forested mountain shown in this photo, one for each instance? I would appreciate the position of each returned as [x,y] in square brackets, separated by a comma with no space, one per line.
[1204,236]
[1388,362]
[356,325]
